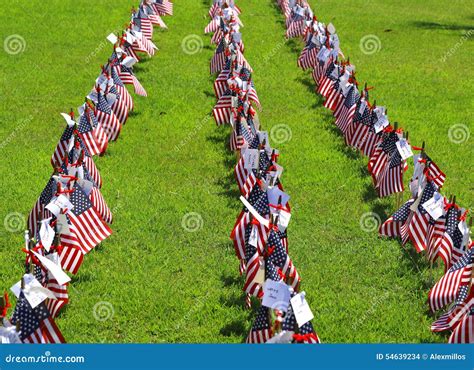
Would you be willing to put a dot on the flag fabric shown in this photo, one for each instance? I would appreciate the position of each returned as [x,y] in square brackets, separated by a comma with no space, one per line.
[464,332]
[39,211]
[261,329]
[107,118]
[454,315]
[54,306]
[87,132]
[348,109]
[87,228]
[418,227]
[446,289]
[36,324]
[245,178]
[62,146]
[450,245]
[223,110]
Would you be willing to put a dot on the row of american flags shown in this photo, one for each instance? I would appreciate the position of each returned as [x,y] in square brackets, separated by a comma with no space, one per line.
[433,223]
[260,231]
[71,217]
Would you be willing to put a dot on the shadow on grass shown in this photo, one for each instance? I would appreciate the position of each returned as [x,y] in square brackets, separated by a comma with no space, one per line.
[440,26]
[236,328]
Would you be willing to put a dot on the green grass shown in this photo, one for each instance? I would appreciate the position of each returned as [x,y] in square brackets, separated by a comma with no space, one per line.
[169,285]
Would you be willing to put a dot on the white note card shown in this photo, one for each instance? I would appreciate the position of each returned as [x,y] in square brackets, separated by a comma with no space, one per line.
[404,149]
[251,159]
[301,309]
[34,292]
[54,269]
[59,204]
[276,295]
[46,234]
[434,206]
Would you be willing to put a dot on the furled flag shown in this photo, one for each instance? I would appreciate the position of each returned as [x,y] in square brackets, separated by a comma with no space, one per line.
[64,144]
[447,288]
[126,75]
[86,227]
[307,58]
[121,89]
[261,330]
[36,324]
[54,306]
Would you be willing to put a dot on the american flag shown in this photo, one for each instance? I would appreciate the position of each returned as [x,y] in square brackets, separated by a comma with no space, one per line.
[436,230]
[221,86]
[119,107]
[381,156]
[223,110]
[157,20]
[239,232]
[99,132]
[346,114]
[62,147]
[450,247]
[327,80]
[307,335]
[334,96]
[434,173]
[71,258]
[396,225]
[62,298]
[446,289]
[213,25]
[107,118]
[218,60]
[143,23]
[87,228]
[308,59]
[418,227]
[100,205]
[88,135]
[39,212]
[122,90]
[452,317]
[296,28]
[252,265]
[464,332]
[128,78]
[36,324]
[236,139]
[245,179]
[261,330]
[163,7]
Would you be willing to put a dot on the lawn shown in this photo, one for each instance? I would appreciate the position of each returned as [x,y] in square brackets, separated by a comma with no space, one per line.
[161,278]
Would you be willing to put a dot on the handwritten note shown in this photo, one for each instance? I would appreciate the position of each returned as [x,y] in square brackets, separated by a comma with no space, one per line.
[301,309]
[276,295]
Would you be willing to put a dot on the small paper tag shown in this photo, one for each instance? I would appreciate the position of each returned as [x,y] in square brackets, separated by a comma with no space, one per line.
[70,122]
[404,149]
[464,229]
[55,270]
[363,105]
[301,309]
[46,234]
[251,159]
[283,220]
[59,204]
[86,185]
[381,123]
[274,194]
[62,224]
[260,276]
[253,238]
[34,292]
[434,206]
[276,295]
[112,38]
